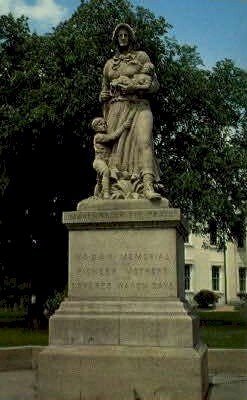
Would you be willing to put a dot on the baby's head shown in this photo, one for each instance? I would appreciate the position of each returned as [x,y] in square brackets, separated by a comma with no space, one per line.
[148,69]
[99,125]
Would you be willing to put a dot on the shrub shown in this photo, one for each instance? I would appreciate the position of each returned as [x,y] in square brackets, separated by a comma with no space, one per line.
[53,302]
[242,296]
[206,298]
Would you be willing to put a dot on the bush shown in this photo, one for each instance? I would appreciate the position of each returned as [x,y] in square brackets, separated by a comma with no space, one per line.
[242,296]
[206,298]
[53,302]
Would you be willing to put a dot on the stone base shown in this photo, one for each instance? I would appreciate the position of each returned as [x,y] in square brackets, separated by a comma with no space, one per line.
[121,322]
[124,332]
[123,373]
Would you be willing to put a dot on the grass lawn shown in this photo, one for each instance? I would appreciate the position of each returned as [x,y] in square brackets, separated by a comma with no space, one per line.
[23,337]
[224,329]
[232,337]
[223,317]
[13,331]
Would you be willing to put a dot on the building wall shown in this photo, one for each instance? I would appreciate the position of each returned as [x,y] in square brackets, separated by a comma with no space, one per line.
[202,257]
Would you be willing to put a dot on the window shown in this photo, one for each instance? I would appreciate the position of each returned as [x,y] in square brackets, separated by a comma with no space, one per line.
[187,276]
[242,279]
[215,278]
[241,240]
[239,232]
[213,233]
[188,239]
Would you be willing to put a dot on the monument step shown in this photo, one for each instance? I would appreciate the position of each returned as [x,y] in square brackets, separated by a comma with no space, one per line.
[126,323]
[134,306]
[123,373]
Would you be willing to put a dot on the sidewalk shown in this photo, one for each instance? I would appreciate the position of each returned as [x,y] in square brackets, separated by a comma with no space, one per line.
[225,307]
[226,387]
[21,385]
[18,385]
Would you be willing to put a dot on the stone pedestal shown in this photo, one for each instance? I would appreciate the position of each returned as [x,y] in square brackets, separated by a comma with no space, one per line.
[124,331]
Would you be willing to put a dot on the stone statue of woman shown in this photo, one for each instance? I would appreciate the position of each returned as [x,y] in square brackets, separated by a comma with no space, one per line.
[128,79]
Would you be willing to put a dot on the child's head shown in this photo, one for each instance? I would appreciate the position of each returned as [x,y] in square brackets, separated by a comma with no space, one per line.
[99,124]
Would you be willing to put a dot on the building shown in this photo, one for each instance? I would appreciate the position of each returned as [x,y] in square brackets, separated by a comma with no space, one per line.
[206,267]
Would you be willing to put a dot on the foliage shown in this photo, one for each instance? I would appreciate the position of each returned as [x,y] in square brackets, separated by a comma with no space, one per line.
[242,296]
[205,298]
[206,164]
[49,88]
[9,316]
[53,302]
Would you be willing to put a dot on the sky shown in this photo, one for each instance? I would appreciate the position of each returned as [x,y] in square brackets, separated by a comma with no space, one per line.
[217,27]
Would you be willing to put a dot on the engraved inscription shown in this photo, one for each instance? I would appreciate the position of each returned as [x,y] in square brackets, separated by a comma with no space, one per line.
[107,271]
[123,273]
[133,285]
[130,215]
[91,285]
[97,271]
[123,257]
[151,271]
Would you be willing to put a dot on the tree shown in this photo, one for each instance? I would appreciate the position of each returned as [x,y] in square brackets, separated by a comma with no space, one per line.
[49,88]
[204,140]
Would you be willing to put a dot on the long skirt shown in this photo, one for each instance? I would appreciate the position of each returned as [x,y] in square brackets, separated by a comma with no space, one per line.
[126,159]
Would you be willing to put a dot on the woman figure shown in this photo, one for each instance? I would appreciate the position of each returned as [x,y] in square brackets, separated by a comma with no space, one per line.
[128,79]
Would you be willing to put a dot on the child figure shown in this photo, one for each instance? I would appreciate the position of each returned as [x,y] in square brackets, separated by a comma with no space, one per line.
[102,148]
[102,154]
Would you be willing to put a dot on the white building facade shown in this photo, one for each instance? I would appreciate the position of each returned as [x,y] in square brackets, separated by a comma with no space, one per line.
[223,272]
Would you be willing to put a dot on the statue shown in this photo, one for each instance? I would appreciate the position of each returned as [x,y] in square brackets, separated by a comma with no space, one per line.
[124,156]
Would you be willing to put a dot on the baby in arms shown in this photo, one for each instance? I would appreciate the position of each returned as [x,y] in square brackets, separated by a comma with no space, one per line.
[140,81]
